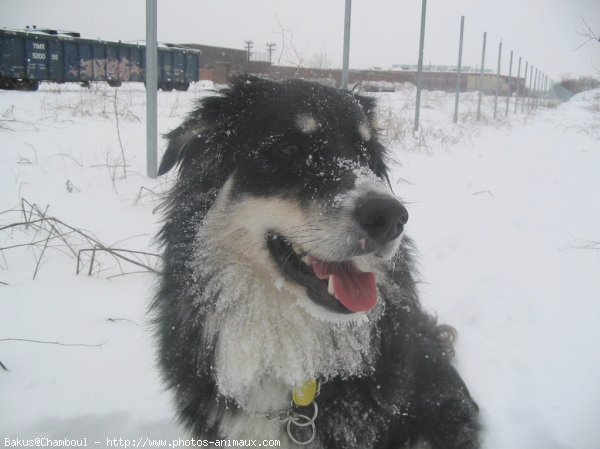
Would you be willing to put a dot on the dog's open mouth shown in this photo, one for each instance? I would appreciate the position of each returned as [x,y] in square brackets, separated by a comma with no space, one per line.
[339,286]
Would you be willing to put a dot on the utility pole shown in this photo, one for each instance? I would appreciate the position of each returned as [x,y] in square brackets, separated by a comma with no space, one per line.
[459,67]
[518,85]
[420,65]
[524,90]
[249,45]
[536,88]
[151,88]
[498,79]
[271,49]
[530,99]
[481,76]
[346,62]
[509,79]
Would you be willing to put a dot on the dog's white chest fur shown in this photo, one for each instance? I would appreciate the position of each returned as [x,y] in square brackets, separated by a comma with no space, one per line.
[266,341]
[266,345]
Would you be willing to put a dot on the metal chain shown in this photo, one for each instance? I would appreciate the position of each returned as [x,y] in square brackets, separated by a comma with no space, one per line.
[292,418]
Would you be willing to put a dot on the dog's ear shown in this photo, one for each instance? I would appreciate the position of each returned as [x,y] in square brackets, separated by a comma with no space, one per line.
[369,105]
[182,140]
[213,115]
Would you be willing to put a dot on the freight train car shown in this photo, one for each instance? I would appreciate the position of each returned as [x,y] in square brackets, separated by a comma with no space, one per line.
[28,57]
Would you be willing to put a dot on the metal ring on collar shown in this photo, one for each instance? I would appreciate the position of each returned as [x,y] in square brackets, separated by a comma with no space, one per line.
[300,420]
[310,423]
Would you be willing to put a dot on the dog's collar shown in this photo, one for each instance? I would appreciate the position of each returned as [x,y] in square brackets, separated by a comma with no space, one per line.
[303,396]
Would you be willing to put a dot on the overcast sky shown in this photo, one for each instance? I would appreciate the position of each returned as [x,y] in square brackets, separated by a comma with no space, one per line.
[384,32]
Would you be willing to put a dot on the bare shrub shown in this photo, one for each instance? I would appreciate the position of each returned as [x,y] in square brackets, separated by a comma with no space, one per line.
[48,233]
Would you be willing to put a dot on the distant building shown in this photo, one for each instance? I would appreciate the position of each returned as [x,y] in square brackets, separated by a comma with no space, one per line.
[220,64]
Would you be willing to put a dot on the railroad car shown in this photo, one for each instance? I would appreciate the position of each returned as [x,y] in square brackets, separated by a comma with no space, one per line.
[33,55]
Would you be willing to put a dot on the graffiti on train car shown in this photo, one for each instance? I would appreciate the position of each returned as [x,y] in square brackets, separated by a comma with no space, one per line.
[28,57]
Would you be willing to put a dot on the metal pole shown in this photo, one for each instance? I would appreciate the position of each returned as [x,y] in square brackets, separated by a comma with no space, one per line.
[524,87]
[541,87]
[544,91]
[249,45]
[270,49]
[481,76]
[420,65]
[538,89]
[530,99]
[498,79]
[346,63]
[543,103]
[535,87]
[534,98]
[460,47]
[518,85]
[151,88]
[509,79]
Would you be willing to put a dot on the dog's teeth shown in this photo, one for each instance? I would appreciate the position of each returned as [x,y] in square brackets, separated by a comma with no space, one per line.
[297,249]
[305,260]
[330,288]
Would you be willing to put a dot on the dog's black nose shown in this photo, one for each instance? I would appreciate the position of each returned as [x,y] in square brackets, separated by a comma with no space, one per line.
[382,218]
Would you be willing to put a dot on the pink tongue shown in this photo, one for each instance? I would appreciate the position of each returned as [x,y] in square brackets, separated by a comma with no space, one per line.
[356,290]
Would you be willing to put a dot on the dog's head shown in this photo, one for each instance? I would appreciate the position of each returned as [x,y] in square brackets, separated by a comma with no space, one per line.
[302,186]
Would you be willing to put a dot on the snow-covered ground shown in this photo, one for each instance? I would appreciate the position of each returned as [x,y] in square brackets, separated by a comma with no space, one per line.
[505,214]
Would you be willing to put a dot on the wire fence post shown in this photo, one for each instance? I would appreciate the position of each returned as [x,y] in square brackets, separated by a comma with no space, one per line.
[546,91]
[498,79]
[508,93]
[151,88]
[524,90]
[420,64]
[540,90]
[481,76]
[530,93]
[534,98]
[518,85]
[536,87]
[346,62]
[458,68]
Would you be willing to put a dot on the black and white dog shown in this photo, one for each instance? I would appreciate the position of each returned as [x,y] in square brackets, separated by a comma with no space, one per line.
[287,306]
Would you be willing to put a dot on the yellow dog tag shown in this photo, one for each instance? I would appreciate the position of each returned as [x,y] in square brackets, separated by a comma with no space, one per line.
[305,394]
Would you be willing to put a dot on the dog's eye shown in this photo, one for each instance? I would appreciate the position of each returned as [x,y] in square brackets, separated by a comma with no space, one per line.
[290,151]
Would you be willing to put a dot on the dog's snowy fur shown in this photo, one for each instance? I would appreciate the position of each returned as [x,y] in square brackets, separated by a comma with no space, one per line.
[272,169]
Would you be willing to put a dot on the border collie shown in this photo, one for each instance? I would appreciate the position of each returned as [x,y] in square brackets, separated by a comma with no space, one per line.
[287,306]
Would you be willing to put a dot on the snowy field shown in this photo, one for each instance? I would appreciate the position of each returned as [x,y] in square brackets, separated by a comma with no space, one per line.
[505,213]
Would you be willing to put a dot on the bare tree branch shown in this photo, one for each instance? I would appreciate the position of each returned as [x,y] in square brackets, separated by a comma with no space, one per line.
[119,134]
[54,342]
[586,33]
[115,320]
[37,265]
[287,34]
